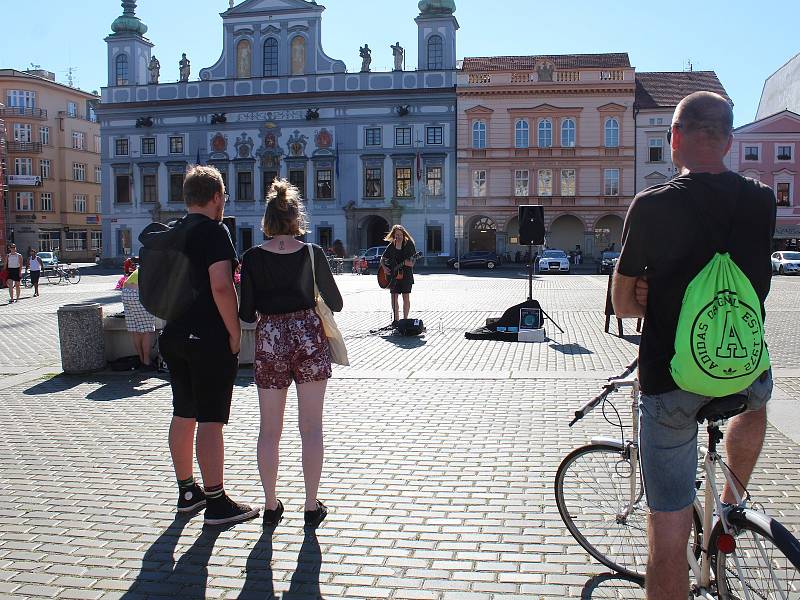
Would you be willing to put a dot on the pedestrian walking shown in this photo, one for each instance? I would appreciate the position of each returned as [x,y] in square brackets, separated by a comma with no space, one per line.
[279,278]
[672,232]
[201,348]
[35,266]
[139,323]
[14,268]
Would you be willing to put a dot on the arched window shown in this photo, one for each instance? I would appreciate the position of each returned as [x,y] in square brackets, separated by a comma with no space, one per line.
[435,53]
[244,52]
[545,133]
[479,135]
[271,57]
[298,55]
[122,69]
[612,133]
[521,134]
[568,133]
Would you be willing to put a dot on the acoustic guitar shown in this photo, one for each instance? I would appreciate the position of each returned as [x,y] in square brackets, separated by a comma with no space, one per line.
[385,280]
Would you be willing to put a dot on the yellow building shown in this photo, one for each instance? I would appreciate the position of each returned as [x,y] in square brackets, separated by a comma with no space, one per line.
[53,165]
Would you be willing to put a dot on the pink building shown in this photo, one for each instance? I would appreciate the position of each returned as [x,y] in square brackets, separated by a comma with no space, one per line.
[767,150]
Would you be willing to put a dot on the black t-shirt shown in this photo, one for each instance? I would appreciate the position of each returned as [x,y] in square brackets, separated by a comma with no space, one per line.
[274,284]
[393,257]
[671,231]
[208,242]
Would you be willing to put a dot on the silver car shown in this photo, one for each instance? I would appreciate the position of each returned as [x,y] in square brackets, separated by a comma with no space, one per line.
[554,261]
[786,262]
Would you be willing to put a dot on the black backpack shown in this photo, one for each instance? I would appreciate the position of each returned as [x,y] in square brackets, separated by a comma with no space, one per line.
[410,327]
[166,287]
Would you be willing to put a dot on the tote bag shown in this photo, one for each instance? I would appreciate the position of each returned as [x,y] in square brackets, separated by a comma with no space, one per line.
[335,339]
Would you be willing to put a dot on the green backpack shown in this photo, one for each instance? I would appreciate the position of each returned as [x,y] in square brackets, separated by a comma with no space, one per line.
[719,343]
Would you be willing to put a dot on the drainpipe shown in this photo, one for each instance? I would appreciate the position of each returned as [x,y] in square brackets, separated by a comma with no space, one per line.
[454,167]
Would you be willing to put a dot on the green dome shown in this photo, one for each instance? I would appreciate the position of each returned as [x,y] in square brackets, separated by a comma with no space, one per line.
[437,7]
[128,22]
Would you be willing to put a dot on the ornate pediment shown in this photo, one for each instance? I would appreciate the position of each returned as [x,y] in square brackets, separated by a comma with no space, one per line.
[479,110]
[249,7]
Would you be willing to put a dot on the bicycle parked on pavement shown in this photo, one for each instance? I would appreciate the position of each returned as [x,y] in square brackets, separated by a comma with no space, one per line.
[55,275]
[601,499]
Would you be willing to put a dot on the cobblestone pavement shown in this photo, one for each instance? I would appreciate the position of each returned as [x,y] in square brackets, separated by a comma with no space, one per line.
[440,459]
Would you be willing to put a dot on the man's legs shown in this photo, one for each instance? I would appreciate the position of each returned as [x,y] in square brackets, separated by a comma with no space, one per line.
[395,307]
[211,453]
[667,575]
[181,446]
[743,440]
[406,305]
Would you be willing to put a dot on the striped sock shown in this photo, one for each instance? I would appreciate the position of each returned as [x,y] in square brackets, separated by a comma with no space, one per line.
[214,492]
[185,483]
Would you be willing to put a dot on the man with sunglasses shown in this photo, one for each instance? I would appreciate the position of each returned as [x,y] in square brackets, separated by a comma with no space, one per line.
[668,237]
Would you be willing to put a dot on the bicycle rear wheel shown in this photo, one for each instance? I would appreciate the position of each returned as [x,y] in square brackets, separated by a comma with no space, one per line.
[767,554]
[72,275]
[53,276]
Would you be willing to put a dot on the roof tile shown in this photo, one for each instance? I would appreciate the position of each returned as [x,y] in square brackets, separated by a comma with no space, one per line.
[667,88]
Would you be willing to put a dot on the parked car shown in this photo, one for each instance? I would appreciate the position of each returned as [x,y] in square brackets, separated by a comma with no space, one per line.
[373,255]
[554,261]
[607,262]
[478,258]
[786,263]
[49,259]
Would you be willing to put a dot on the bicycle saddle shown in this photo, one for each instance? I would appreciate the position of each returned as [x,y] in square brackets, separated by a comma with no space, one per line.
[721,409]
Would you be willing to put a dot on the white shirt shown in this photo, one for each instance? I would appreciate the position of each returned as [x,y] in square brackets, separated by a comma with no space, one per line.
[34,264]
[14,260]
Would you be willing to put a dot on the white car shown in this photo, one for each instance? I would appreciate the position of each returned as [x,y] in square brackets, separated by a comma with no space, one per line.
[49,259]
[786,263]
[554,261]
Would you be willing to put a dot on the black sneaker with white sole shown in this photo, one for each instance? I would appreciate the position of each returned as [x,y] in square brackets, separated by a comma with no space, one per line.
[223,511]
[191,498]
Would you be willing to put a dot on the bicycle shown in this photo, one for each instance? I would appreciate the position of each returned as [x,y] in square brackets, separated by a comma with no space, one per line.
[601,499]
[69,274]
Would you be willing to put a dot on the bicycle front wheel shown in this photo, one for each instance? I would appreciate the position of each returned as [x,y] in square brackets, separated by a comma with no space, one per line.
[72,275]
[26,281]
[766,554]
[592,493]
[53,276]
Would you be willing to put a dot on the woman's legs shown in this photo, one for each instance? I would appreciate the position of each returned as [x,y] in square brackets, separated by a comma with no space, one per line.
[395,308]
[35,284]
[147,345]
[272,404]
[16,285]
[311,396]
[137,344]
[406,305]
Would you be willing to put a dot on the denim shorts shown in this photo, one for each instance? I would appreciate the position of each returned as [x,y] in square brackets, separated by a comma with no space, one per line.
[668,442]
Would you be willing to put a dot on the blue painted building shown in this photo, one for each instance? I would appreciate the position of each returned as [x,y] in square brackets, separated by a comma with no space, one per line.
[368,149]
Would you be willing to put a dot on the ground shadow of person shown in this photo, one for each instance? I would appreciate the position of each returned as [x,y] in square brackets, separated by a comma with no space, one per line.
[161,574]
[258,570]
[305,580]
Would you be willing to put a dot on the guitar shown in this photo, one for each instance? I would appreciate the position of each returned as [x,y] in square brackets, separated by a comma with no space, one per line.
[385,280]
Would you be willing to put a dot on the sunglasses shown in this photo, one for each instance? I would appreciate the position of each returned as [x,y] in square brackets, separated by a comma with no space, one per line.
[669,131]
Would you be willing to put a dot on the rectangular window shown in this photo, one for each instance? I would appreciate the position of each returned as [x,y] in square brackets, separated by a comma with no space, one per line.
[23,132]
[98,205]
[98,175]
[78,171]
[372,136]
[148,145]
[782,192]
[297,177]
[784,153]
[79,203]
[97,144]
[434,136]
[545,182]
[97,240]
[373,182]
[121,147]
[244,186]
[433,179]
[44,168]
[325,237]
[78,140]
[269,177]
[611,182]
[122,185]
[655,149]
[149,187]
[46,202]
[23,166]
[49,241]
[567,182]
[324,184]
[176,144]
[434,239]
[75,240]
[176,187]
[402,182]
[44,135]
[21,99]
[479,183]
[402,136]
[751,153]
[24,201]
[521,182]
[72,109]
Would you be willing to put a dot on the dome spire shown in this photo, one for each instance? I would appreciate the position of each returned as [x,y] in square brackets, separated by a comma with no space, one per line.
[128,22]
[429,8]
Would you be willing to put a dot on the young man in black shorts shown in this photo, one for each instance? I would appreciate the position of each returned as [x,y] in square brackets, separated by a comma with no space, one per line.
[201,349]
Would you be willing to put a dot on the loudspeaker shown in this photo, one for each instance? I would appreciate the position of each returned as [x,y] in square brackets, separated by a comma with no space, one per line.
[531,225]
[410,327]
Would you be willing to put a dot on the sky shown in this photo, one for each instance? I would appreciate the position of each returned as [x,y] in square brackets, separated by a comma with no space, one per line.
[743,41]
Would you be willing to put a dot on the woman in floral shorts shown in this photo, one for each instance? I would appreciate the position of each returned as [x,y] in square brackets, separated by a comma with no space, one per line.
[278,288]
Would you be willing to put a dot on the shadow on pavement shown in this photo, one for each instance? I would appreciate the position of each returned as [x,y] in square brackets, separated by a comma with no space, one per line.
[258,570]
[305,580]
[109,382]
[405,342]
[612,585]
[571,349]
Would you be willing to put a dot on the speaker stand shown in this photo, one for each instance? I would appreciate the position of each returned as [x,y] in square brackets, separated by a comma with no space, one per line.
[530,288]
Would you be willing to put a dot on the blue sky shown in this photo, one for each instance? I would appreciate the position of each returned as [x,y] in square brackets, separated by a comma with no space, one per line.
[744,42]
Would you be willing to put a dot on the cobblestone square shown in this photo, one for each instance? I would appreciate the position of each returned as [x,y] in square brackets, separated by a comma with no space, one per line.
[440,457]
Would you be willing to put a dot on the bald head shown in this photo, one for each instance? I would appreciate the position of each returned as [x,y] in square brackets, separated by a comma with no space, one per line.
[706,114]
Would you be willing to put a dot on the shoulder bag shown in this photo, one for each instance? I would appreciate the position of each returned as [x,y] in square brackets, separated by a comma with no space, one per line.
[335,339]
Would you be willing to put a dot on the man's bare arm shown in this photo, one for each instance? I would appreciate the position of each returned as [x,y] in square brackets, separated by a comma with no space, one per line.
[624,297]
[225,298]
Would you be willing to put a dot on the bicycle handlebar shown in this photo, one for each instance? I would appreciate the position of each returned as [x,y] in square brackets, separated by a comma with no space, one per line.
[607,389]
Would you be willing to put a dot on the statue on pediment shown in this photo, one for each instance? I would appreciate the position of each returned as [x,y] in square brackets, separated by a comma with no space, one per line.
[184,67]
[399,56]
[366,57]
[154,69]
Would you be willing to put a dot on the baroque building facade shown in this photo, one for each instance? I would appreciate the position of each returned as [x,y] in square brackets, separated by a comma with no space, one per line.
[553,130]
[367,149]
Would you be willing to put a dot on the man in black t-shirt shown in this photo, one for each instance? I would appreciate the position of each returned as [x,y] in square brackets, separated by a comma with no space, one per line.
[201,349]
[671,231]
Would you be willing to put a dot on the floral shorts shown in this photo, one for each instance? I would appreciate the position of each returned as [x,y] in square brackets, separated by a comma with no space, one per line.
[289,347]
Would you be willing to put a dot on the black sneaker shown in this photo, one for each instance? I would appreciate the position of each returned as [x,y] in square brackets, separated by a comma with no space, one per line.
[313,518]
[222,511]
[273,517]
[191,498]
